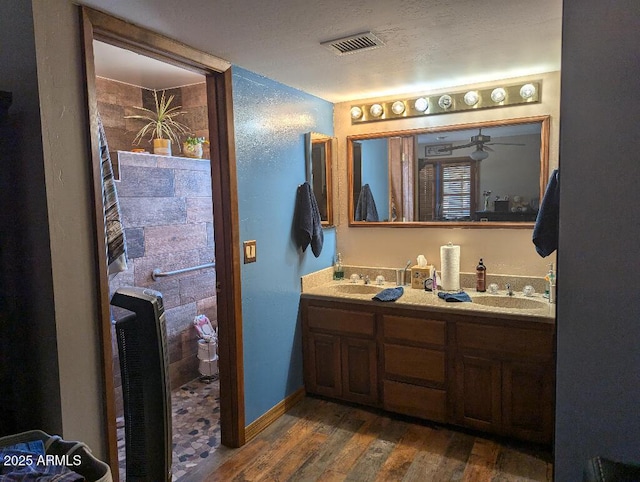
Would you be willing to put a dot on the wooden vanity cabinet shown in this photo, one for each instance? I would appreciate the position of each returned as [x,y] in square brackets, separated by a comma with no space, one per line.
[486,373]
[504,379]
[340,353]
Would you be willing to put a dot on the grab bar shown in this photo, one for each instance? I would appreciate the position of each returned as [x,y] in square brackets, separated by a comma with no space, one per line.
[157,273]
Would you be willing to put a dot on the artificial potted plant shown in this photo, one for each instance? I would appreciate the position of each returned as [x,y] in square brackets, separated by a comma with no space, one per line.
[162,126]
[192,147]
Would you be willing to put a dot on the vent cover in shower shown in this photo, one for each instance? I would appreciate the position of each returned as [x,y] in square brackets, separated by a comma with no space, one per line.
[353,43]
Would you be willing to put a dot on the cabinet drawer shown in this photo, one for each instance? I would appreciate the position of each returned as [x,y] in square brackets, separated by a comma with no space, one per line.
[341,321]
[509,340]
[416,401]
[409,329]
[420,364]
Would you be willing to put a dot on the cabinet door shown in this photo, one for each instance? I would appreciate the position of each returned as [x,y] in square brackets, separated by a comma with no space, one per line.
[324,365]
[478,387]
[359,371]
[527,400]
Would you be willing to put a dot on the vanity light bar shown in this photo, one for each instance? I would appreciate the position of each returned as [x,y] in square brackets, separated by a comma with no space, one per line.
[496,96]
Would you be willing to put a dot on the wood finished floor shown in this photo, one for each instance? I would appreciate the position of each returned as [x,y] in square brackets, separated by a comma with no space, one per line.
[319,440]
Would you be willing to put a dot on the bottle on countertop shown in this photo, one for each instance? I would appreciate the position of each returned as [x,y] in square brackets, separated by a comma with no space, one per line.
[551,278]
[481,277]
[338,270]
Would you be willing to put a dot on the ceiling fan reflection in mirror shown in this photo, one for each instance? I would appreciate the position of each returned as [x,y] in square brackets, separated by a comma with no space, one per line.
[482,143]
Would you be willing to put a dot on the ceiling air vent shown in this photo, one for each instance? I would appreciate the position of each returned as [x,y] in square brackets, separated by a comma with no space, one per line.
[353,43]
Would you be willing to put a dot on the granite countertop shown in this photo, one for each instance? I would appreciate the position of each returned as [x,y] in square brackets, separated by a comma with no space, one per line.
[533,308]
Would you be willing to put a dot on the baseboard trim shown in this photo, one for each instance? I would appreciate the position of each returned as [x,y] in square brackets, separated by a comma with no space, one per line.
[278,410]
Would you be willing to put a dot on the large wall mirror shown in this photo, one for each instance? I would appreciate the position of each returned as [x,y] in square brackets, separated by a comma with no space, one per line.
[477,175]
[320,150]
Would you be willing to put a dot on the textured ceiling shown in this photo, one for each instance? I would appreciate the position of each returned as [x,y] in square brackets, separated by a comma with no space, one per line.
[135,69]
[429,44]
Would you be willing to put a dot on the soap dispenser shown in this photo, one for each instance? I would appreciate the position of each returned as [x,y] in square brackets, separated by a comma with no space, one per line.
[338,270]
[551,278]
[481,277]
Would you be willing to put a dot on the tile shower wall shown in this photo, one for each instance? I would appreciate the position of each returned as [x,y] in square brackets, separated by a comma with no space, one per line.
[168,219]
[115,101]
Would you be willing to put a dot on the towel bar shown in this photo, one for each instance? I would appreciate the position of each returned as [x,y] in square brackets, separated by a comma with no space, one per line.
[157,273]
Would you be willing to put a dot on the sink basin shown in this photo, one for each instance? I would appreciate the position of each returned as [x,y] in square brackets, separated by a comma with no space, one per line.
[354,289]
[508,302]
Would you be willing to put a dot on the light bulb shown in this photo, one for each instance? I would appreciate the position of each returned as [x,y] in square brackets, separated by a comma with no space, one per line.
[471,98]
[479,155]
[356,112]
[498,95]
[421,104]
[527,91]
[376,110]
[397,107]
[445,102]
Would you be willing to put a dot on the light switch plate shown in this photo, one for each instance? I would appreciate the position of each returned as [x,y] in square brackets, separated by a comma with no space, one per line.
[249,251]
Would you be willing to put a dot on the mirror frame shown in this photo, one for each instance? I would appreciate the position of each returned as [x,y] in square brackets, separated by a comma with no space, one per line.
[545,121]
[311,138]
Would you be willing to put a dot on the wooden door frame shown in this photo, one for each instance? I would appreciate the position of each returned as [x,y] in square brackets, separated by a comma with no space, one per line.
[99,26]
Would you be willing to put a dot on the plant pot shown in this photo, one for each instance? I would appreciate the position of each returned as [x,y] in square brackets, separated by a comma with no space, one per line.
[192,150]
[162,147]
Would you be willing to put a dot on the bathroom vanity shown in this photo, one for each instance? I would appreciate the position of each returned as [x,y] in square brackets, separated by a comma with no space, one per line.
[483,367]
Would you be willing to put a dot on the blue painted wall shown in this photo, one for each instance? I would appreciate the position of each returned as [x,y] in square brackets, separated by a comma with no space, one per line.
[270,122]
[375,172]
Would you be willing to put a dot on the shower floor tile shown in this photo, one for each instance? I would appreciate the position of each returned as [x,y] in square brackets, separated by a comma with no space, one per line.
[195,425]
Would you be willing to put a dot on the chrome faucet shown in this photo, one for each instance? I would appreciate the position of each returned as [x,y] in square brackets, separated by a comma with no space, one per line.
[366,279]
[509,290]
[404,272]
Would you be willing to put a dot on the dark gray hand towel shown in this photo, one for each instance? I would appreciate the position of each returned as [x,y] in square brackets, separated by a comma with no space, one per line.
[454,297]
[545,231]
[366,207]
[389,294]
[307,223]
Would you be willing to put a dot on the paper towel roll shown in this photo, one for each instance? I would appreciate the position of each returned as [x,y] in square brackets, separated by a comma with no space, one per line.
[450,267]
